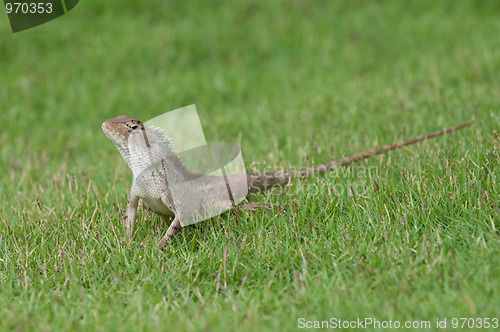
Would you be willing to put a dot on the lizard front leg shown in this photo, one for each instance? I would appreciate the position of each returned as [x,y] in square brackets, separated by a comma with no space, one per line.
[131,214]
[174,228]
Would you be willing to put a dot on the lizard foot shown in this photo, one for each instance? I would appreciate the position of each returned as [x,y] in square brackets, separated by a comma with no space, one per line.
[174,228]
[163,244]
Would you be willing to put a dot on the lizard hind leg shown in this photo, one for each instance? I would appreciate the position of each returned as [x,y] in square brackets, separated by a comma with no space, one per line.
[174,228]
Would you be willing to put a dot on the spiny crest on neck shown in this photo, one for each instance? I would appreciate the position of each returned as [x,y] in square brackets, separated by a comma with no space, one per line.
[162,137]
[147,148]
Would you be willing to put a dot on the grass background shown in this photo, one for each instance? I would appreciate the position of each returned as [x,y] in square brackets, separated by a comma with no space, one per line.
[293,82]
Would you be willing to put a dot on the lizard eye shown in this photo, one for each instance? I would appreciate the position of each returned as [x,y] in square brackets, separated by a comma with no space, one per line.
[134,127]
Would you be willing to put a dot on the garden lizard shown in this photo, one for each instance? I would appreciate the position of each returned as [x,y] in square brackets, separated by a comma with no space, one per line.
[156,168]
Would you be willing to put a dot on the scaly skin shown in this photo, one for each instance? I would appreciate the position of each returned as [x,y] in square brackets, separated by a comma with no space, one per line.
[156,168]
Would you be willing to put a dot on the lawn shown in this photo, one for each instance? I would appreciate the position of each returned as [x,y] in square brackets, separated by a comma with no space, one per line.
[411,235]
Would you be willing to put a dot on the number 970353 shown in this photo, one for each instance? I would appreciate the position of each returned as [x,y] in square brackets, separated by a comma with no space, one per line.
[28,8]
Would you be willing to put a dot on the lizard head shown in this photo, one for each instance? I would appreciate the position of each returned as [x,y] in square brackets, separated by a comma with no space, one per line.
[118,129]
[139,145]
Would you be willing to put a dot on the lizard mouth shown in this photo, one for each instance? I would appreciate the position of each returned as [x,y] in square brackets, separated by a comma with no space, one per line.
[106,129]
[113,135]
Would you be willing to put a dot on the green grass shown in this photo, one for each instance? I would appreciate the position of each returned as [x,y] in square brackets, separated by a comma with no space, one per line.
[292,82]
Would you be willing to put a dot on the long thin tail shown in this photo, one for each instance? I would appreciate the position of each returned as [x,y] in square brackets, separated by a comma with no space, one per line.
[264,181]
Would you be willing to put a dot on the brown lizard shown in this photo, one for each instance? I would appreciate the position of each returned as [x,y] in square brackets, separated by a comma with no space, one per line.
[156,169]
